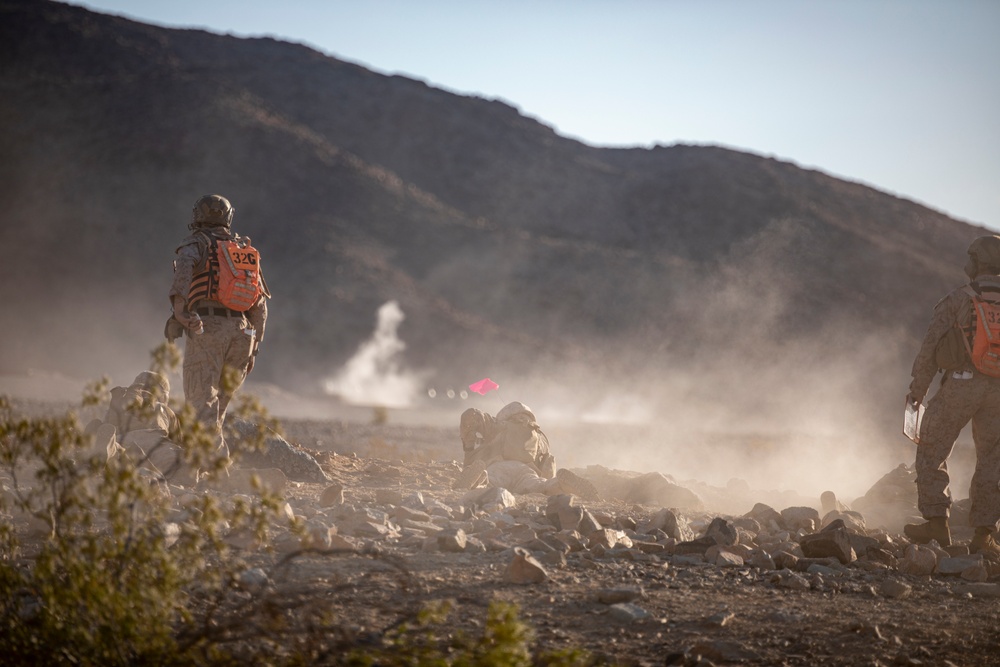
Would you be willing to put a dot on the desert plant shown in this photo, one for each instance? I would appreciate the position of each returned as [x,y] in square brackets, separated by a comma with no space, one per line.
[505,641]
[115,572]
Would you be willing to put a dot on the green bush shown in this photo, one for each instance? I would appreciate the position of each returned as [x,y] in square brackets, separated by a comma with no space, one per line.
[505,642]
[115,574]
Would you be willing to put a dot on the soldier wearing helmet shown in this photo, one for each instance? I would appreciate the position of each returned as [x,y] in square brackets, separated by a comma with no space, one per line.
[965,394]
[220,339]
[512,452]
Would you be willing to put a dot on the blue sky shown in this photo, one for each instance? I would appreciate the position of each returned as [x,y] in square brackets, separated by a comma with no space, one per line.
[903,95]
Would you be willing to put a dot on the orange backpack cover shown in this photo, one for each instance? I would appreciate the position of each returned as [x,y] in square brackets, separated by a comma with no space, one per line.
[239,284]
[985,350]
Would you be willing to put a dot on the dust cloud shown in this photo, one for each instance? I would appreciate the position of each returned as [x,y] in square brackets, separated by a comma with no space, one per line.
[725,393]
[733,392]
[103,332]
[376,375]
[740,387]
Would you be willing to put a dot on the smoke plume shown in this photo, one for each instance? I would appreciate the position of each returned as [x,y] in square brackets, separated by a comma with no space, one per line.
[376,374]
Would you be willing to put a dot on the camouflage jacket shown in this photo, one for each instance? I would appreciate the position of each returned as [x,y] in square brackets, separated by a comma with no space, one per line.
[955,308]
[192,253]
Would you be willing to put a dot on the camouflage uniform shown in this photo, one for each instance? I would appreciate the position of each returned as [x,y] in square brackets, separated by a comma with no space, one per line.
[141,422]
[964,394]
[136,408]
[513,435]
[514,453]
[230,338]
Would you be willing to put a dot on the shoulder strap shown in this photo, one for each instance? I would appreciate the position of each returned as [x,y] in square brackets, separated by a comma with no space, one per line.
[206,242]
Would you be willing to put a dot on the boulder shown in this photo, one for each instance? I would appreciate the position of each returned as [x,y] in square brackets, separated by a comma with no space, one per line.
[766,516]
[524,569]
[918,560]
[800,518]
[828,543]
[297,464]
[668,522]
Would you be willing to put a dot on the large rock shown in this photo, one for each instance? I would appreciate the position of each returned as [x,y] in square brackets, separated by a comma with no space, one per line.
[767,517]
[719,533]
[318,534]
[918,560]
[723,532]
[800,518]
[956,565]
[452,540]
[563,512]
[490,499]
[833,543]
[332,496]
[524,569]
[668,522]
[892,501]
[297,465]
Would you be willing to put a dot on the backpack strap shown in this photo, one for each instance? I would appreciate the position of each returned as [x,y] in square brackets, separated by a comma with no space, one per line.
[205,243]
[981,311]
[973,290]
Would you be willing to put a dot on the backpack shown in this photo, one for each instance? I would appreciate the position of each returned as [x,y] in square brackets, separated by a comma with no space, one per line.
[233,277]
[985,348]
[239,273]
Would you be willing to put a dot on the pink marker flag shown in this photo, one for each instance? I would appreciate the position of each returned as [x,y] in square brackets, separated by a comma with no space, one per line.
[483,386]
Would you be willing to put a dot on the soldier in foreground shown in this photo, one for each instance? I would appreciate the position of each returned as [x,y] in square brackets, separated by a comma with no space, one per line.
[512,452]
[140,423]
[964,340]
[219,299]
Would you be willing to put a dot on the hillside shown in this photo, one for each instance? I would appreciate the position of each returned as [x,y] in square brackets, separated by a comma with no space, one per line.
[689,284]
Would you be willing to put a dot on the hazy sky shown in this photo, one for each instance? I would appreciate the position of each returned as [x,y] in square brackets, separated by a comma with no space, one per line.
[903,95]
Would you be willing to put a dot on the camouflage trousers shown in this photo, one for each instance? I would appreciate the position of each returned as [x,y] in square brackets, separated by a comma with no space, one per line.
[956,402]
[152,449]
[208,387]
[519,477]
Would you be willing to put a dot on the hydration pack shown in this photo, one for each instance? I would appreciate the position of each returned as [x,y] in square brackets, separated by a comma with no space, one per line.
[985,348]
[231,274]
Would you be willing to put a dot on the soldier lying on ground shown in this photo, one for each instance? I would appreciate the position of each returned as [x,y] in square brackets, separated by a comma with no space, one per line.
[512,452]
[140,423]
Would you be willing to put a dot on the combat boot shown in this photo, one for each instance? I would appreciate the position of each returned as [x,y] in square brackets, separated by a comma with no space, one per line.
[983,542]
[472,477]
[936,528]
[570,482]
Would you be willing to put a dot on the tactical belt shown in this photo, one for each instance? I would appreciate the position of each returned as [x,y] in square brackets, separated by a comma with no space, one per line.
[218,312]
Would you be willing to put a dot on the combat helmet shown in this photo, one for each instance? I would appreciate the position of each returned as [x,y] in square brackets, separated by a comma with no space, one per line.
[150,380]
[984,256]
[514,409]
[212,211]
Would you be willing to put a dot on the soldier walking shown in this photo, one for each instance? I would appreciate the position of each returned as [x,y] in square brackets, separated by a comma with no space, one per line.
[963,339]
[219,297]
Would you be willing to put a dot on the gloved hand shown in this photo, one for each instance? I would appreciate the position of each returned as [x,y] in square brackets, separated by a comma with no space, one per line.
[914,400]
[189,320]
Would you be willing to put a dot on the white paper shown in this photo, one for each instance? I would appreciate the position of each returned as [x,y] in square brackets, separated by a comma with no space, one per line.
[913,415]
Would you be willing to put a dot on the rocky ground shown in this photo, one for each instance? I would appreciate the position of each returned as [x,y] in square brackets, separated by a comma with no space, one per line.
[633,583]
[630,582]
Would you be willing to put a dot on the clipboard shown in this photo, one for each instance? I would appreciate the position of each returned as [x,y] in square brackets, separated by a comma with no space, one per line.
[913,417]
